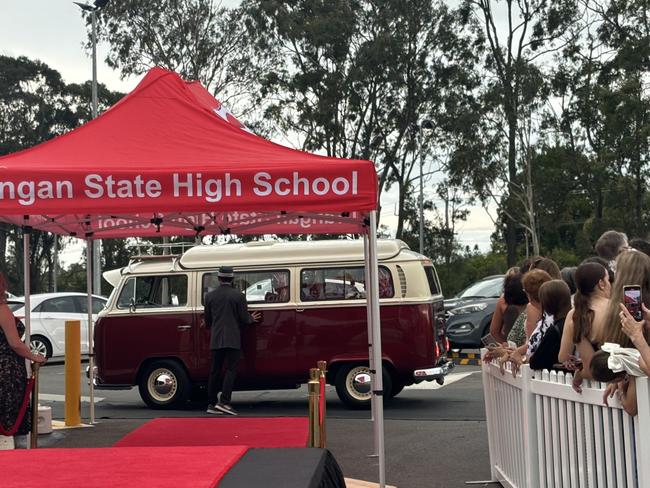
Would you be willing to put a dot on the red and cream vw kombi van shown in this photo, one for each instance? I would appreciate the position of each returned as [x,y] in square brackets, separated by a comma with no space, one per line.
[312,299]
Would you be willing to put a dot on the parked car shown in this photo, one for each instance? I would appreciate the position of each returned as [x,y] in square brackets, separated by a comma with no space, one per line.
[470,312]
[49,314]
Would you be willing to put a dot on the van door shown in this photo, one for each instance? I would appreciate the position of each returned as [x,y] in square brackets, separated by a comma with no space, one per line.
[268,347]
[152,319]
[331,318]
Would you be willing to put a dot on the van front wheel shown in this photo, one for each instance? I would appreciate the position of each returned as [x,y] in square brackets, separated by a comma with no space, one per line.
[164,384]
[353,385]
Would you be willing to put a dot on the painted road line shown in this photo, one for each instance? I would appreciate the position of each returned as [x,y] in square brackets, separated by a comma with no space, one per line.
[48,397]
[432,385]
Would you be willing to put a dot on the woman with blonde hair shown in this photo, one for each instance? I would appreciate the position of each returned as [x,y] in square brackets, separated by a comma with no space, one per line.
[632,268]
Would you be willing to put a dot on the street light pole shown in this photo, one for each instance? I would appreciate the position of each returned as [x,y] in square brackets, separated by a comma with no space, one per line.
[425,125]
[421,200]
[97,244]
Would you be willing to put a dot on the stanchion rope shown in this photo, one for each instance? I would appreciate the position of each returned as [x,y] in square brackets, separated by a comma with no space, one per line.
[23,408]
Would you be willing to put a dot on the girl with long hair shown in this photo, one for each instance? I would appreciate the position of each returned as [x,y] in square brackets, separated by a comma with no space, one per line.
[632,268]
[584,324]
[555,297]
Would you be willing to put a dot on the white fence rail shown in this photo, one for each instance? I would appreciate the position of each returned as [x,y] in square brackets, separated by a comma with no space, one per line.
[543,434]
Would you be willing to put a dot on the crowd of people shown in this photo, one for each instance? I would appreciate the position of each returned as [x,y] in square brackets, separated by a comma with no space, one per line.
[575,319]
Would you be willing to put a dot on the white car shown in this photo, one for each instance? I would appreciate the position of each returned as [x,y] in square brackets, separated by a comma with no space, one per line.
[49,314]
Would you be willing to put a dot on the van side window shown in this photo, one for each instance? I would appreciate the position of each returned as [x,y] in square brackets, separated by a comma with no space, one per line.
[317,284]
[270,286]
[154,292]
[434,288]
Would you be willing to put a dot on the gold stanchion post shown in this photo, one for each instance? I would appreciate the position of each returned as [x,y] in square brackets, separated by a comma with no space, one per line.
[313,387]
[72,373]
[322,368]
[34,434]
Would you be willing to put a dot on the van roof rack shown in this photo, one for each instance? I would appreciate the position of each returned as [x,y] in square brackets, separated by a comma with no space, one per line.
[153,257]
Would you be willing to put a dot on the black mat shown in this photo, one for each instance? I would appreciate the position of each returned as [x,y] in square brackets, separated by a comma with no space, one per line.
[285,468]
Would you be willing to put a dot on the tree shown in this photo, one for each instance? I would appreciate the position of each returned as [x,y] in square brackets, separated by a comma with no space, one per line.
[359,77]
[199,39]
[36,105]
[534,30]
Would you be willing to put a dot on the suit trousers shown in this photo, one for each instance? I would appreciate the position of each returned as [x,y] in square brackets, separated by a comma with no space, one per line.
[230,357]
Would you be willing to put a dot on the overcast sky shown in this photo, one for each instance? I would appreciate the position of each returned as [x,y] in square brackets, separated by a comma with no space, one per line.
[53,31]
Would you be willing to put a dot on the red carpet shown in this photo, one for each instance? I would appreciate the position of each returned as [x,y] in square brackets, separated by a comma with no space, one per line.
[226,431]
[171,467]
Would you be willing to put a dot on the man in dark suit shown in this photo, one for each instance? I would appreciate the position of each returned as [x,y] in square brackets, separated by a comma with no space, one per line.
[225,312]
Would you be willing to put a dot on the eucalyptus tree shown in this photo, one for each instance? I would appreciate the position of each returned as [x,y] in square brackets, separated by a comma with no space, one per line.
[602,78]
[199,39]
[359,77]
[521,37]
[36,105]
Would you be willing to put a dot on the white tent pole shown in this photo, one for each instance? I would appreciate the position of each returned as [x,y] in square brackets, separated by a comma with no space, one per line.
[369,312]
[377,378]
[27,232]
[91,352]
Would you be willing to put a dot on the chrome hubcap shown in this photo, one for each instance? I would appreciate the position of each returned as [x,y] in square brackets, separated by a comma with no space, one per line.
[359,383]
[162,385]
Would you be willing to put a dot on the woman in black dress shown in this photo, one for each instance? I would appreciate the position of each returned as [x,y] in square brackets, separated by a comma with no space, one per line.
[13,375]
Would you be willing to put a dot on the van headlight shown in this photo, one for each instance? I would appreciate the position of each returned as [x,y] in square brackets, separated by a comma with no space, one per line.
[465,309]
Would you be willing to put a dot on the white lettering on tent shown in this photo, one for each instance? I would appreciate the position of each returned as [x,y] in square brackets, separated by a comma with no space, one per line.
[338,189]
[266,185]
[98,186]
[212,189]
[321,186]
[27,192]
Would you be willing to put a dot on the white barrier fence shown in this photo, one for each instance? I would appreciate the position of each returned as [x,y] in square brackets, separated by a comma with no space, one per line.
[543,434]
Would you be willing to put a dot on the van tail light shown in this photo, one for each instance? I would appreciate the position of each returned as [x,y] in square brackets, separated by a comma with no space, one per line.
[437,349]
[447,344]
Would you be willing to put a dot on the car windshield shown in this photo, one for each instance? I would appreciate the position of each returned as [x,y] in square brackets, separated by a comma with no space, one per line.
[484,289]
[13,306]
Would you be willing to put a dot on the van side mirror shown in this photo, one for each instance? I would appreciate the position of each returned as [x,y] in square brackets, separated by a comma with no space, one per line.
[132,305]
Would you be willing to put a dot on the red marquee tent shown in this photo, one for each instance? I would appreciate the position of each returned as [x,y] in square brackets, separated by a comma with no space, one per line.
[165,161]
[169,159]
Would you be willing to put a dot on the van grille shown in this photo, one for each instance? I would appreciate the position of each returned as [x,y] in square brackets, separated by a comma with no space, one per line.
[402,280]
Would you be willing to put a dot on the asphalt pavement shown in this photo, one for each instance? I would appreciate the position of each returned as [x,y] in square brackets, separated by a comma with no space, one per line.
[435,436]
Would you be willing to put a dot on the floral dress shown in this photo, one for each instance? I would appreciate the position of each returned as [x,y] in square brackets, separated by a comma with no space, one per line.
[13,383]
[518,332]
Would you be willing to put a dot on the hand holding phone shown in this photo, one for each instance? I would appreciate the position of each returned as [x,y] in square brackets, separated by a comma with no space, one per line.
[632,301]
[489,340]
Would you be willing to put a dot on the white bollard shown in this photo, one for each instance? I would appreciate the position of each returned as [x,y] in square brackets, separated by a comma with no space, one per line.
[6,442]
[44,420]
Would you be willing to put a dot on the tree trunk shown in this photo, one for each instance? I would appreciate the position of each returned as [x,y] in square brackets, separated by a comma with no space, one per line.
[511,225]
[400,215]
[3,247]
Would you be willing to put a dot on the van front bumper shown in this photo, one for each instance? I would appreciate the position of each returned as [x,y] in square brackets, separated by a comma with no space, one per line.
[438,373]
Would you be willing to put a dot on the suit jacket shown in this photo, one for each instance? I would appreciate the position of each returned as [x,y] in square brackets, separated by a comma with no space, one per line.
[226,312]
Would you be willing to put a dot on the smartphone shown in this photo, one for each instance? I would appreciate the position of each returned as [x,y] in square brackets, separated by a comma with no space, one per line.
[632,301]
[489,340]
